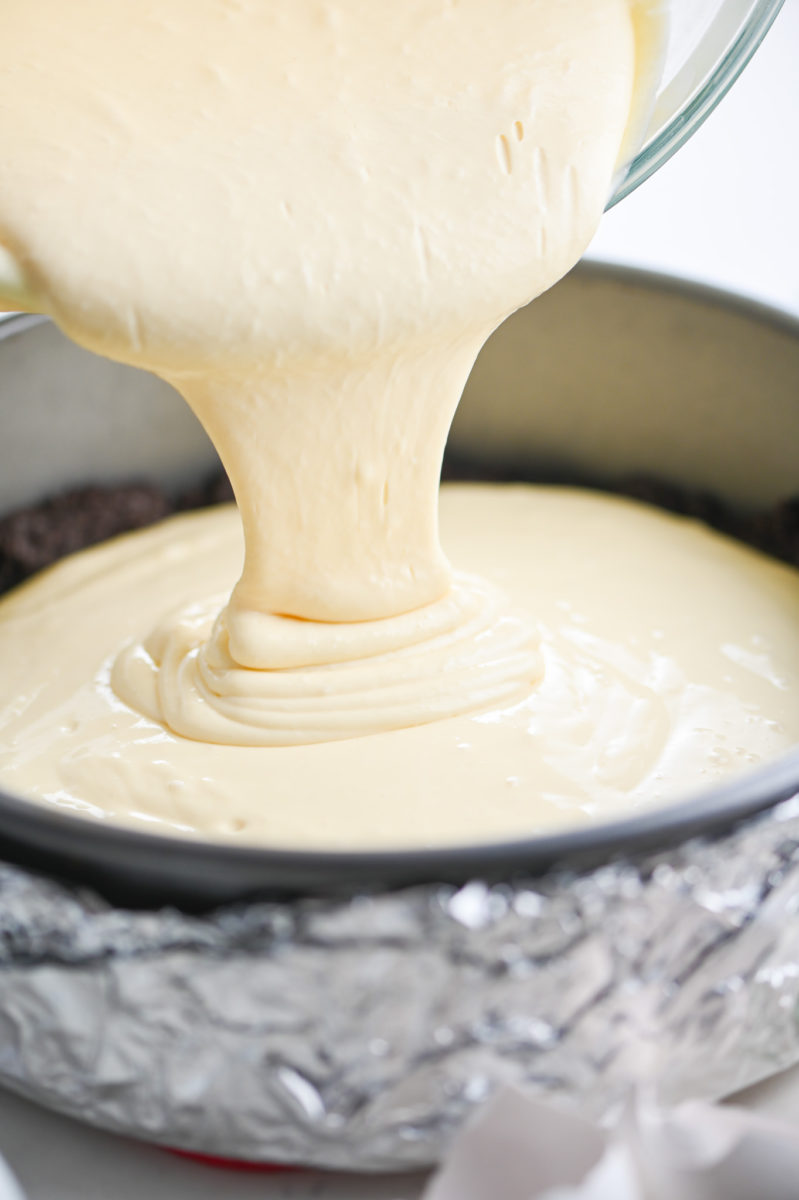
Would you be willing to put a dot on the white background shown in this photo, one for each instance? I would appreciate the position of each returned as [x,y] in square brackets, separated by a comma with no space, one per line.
[724,211]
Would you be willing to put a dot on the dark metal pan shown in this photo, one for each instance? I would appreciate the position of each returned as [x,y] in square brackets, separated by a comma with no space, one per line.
[614,372]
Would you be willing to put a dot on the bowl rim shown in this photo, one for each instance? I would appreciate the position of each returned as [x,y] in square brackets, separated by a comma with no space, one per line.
[144,868]
[659,146]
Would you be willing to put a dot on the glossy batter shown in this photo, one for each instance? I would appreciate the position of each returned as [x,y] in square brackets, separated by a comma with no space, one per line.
[670,659]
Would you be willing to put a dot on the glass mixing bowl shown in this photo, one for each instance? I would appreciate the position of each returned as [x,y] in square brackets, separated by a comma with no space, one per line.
[709,42]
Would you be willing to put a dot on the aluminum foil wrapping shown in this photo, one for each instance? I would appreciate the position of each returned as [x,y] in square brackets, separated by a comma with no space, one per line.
[359,1033]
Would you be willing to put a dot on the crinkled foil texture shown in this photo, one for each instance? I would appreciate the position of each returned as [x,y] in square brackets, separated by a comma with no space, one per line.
[359,1033]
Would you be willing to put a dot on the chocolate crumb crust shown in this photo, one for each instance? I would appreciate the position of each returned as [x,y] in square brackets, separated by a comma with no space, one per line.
[37,536]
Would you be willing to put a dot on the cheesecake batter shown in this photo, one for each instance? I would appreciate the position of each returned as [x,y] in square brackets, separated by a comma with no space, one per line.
[308,217]
[670,660]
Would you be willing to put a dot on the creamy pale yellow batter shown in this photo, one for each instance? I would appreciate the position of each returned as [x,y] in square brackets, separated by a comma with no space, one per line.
[670,660]
[308,217]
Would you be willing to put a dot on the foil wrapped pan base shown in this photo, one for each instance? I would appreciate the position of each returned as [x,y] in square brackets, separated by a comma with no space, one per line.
[359,1033]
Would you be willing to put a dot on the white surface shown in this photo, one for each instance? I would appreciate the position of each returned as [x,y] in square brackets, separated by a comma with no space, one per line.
[723,211]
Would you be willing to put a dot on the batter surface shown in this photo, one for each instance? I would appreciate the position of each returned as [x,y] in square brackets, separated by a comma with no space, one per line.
[670,660]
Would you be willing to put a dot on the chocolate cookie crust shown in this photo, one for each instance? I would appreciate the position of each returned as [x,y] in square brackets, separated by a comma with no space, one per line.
[37,536]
